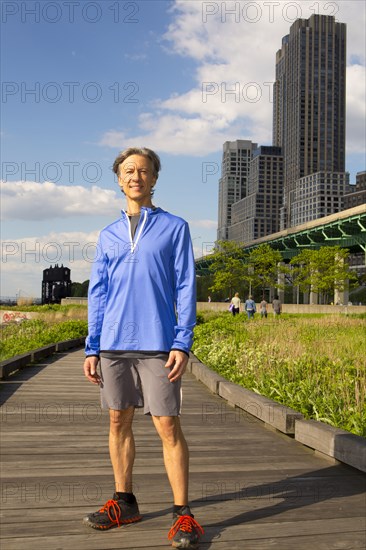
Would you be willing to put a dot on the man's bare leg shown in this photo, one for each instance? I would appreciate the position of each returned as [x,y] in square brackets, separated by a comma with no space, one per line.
[122,448]
[123,508]
[176,455]
[185,531]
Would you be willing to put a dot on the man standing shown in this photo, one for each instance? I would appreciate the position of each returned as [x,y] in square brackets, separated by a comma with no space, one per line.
[263,308]
[250,307]
[277,306]
[142,311]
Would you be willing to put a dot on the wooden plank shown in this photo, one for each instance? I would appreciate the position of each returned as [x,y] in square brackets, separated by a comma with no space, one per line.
[151,524]
[131,537]
[250,487]
[73,505]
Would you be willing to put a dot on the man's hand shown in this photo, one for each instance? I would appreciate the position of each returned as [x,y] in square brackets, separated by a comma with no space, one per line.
[90,369]
[178,360]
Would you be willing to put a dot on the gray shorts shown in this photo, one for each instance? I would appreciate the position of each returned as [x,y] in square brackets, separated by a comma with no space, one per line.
[139,382]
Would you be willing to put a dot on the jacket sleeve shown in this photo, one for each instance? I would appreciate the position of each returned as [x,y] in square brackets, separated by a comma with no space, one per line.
[97,293]
[185,290]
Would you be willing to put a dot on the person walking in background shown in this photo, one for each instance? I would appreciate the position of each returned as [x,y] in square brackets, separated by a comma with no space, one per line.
[235,302]
[250,307]
[277,306]
[142,311]
[263,308]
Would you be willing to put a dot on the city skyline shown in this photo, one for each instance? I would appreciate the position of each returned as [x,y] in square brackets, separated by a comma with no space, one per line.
[104,89]
[301,177]
[309,119]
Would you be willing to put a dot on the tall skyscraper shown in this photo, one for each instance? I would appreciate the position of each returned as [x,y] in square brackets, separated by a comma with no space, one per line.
[233,184]
[309,117]
[257,215]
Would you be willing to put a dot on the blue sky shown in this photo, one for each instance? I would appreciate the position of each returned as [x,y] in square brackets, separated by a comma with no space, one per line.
[83,80]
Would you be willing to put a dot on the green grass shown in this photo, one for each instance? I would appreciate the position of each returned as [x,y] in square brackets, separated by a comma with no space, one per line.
[45,308]
[313,364]
[29,335]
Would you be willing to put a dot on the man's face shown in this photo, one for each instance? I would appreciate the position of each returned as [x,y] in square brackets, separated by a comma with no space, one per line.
[136,178]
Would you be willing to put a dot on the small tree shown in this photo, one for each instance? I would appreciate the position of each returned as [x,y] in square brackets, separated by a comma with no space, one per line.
[79,290]
[227,266]
[322,271]
[262,267]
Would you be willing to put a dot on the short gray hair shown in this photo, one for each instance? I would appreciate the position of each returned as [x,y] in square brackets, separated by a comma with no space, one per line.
[142,151]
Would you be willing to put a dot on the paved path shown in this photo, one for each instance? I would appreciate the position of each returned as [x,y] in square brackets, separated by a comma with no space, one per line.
[251,488]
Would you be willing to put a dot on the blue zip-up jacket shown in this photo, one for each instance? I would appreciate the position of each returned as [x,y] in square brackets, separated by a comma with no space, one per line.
[138,285]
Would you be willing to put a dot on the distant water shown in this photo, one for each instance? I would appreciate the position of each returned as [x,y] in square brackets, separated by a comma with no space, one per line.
[12,300]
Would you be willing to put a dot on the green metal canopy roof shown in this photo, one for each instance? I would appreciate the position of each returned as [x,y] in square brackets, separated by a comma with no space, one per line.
[346,229]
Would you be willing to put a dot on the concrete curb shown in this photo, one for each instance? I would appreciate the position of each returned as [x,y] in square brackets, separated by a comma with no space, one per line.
[14,364]
[210,378]
[40,353]
[274,414]
[68,344]
[333,442]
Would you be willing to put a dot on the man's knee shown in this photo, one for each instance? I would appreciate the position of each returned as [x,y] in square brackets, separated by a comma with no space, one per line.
[169,429]
[121,421]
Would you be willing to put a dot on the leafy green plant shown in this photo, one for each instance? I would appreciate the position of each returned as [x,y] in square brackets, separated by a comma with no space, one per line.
[315,365]
[45,308]
[324,270]
[24,337]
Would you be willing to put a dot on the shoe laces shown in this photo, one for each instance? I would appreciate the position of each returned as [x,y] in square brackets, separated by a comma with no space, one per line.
[111,507]
[185,523]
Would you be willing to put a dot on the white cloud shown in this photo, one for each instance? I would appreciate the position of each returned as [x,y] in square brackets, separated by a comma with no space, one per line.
[23,260]
[234,46]
[175,134]
[356,111]
[28,200]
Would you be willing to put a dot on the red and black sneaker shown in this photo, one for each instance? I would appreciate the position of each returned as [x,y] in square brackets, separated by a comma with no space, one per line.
[185,531]
[114,513]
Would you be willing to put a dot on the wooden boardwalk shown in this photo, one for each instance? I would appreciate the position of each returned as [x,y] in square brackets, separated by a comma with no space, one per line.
[251,488]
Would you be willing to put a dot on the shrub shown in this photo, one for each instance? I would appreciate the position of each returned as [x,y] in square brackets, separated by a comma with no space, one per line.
[313,365]
[29,335]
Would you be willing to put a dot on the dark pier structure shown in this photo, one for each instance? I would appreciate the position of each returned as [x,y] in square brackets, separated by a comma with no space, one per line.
[56,284]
